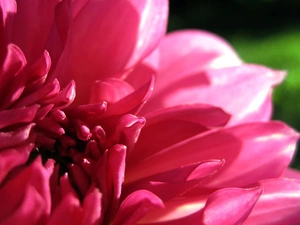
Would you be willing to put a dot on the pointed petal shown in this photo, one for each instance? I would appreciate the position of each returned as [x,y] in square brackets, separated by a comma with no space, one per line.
[92,211]
[190,51]
[12,80]
[241,147]
[127,131]
[110,90]
[219,87]
[108,51]
[33,17]
[135,206]
[29,211]
[278,205]
[291,173]
[10,158]
[16,137]
[15,116]
[133,102]
[192,119]
[69,211]
[175,183]
[230,206]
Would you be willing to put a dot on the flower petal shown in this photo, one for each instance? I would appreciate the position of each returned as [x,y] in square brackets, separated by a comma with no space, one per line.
[12,80]
[16,137]
[92,211]
[15,116]
[171,122]
[33,17]
[140,26]
[291,173]
[241,147]
[135,206]
[230,206]
[278,205]
[10,158]
[69,211]
[29,211]
[227,88]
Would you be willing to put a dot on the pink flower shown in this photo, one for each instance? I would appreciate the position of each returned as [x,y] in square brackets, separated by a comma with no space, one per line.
[193,146]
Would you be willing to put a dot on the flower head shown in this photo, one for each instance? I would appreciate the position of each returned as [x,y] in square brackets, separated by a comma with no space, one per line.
[162,129]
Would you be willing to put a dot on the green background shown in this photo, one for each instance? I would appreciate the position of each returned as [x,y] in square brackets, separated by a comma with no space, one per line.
[261,31]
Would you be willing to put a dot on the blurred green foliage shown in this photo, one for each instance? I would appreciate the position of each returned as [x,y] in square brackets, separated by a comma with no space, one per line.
[264,32]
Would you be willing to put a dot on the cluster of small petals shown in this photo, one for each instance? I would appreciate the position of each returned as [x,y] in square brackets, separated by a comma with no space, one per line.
[162,129]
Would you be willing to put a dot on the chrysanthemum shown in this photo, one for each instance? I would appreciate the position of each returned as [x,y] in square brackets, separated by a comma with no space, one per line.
[162,129]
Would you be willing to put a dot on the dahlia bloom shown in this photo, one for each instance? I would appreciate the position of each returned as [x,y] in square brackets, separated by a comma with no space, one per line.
[147,128]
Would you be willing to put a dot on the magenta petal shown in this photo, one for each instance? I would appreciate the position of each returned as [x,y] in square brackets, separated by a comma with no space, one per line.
[190,51]
[128,130]
[12,80]
[69,211]
[278,205]
[29,211]
[192,119]
[241,147]
[116,169]
[10,158]
[33,17]
[135,206]
[291,173]
[16,137]
[176,182]
[110,90]
[219,87]
[7,11]
[140,27]
[15,116]
[92,210]
[36,176]
[133,102]
[230,206]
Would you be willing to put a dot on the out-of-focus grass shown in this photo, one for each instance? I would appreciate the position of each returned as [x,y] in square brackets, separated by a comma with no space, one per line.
[279,51]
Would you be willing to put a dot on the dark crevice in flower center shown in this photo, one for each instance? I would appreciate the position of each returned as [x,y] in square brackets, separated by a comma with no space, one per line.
[54,154]
[59,153]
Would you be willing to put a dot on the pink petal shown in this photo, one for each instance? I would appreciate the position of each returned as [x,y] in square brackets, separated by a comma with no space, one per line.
[278,205]
[140,27]
[7,9]
[48,91]
[80,178]
[64,98]
[127,131]
[192,119]
[12,80]
[188,52]
[92,211]
[15,116]
[219,87]
[177,211]
[110,90]
[37,73]
[133,102]
[176,182]
[135,206]
[36,176]
[33,17]
[291,173]
[115,174]
[16,137]
[10,158]
[230,206]
[68,211]
[29,211]
[241,147]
